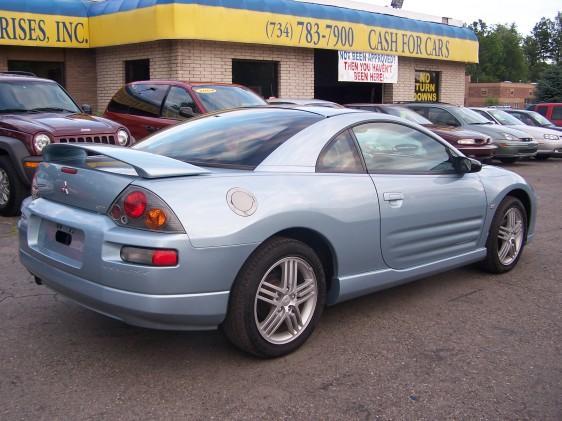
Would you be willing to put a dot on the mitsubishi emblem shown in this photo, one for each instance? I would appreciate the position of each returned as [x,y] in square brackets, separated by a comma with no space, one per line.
[64,188]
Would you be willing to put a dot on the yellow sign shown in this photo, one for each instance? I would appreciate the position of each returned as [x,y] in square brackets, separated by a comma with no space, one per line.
[201,22]
[35,30]
[205,90]
[426,87]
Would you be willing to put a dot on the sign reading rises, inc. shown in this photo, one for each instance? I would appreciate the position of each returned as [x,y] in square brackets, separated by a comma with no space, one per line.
[43,30]
[367,67]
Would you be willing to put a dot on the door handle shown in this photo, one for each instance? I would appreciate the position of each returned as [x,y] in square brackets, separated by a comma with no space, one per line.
[392,197]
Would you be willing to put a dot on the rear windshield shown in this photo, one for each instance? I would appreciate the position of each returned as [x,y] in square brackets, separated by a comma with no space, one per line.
[218,97]
[236,139]
[407,114]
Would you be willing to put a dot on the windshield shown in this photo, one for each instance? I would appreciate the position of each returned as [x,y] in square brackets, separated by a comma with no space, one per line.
[505,118]
[217,97]
[539,118]
[407,114]
[235,139]
[28,96]
[470,117]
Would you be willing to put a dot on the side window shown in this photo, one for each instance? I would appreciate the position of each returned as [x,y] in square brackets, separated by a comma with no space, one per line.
[542,110]
[139,99]
[485,115]
[421,111]
[177,98]
[340,156]
[557,112]
[439,116]
[391,147]
[525,119]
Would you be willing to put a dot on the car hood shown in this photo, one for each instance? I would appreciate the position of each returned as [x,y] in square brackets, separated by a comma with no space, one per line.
[58,124]
[495,130]
[457,132]
[536,132]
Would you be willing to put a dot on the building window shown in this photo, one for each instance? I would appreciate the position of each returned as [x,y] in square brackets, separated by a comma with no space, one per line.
[261,77]
[53,70]
[427,86]
[137,70]
[484,92]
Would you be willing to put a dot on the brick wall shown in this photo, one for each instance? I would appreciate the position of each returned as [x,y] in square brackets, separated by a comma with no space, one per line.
[110,64]
[452,84]
[206,60]
[80,68]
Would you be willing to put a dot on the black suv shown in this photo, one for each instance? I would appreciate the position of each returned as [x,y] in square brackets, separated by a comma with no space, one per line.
[35,112]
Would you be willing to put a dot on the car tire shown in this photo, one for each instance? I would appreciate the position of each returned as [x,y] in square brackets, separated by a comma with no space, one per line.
[541,157]
[509,160]
[267,317]
[507,236]
[12,190]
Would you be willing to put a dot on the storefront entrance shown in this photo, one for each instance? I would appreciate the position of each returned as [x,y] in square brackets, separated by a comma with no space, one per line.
[327,86]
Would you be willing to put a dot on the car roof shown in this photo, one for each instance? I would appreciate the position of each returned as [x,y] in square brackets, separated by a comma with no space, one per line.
[323,111]
[184,82]
[14,78]
[300,101]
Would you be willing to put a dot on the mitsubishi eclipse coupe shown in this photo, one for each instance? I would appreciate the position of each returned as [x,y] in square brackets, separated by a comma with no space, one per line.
[252,220]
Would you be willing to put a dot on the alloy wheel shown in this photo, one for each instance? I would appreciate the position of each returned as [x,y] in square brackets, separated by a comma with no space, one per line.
[510,236]
[285,300]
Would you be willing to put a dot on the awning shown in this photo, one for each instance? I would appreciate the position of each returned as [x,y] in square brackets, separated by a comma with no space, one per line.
[77,23]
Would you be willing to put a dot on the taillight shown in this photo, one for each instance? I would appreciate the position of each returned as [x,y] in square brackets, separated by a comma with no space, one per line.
[135,204]
[149,257]
[140,208]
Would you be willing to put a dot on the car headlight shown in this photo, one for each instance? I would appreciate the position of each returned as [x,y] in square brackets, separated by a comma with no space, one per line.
[122,137]
[509,137]
[40,141]
[466,142]
[551,137]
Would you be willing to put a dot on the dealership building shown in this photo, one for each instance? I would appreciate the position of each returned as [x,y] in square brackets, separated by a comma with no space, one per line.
[340,50]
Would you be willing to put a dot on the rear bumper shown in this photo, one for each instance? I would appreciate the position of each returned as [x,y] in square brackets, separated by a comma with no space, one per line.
[170,312]
[190,296]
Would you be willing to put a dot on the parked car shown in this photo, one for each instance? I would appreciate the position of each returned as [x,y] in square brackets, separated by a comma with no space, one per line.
[552,111]
[254,219]
[147,106]
[549,141]
[470,143]
[34,113]
[532,118]
[303,102]
[512,144]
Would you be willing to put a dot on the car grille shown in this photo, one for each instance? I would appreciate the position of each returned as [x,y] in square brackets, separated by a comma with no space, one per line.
[105,139]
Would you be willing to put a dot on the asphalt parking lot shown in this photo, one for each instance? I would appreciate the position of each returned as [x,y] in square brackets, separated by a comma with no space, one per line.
[461,345]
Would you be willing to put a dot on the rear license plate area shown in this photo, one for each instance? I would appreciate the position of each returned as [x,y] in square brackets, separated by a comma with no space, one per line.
[61,242]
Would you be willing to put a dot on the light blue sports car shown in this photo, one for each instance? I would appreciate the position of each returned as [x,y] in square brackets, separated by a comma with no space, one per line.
[255,219]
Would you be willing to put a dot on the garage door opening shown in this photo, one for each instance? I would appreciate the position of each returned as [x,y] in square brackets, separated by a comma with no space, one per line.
[260,76]
[327,86]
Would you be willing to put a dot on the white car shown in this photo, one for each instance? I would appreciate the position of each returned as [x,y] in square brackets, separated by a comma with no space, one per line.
[550,141]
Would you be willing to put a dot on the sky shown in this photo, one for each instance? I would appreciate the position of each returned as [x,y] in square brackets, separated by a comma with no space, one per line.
[525,13]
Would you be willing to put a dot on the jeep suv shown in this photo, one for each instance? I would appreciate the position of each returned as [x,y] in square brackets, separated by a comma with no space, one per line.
[35,112]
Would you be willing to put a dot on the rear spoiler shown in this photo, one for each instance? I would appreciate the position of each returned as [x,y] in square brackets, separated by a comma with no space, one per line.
[147,165]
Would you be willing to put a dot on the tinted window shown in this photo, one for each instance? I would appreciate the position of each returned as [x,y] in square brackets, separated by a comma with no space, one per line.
[242,138]
[28,95]
[557,113]
[217,97]
[177,98]
[542,110]
[340,156]
[439,116]
[139,99]
[390,147]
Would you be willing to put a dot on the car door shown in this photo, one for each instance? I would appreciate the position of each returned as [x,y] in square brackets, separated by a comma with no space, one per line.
[556,116]
[429,212]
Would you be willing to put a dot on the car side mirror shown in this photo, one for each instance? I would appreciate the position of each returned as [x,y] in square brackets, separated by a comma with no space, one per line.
[187,112]
[87,108]
[464,165]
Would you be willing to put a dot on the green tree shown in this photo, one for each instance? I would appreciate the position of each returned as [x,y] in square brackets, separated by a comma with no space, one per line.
[549,87]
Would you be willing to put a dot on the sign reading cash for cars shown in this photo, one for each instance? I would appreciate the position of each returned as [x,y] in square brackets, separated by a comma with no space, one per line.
[367,67]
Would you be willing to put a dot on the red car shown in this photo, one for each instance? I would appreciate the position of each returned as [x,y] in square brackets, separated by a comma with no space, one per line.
[472,144]
[147,106]
[550,110]
[34,113]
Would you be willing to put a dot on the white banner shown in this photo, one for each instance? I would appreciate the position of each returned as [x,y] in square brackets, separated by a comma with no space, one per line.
[367,67]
